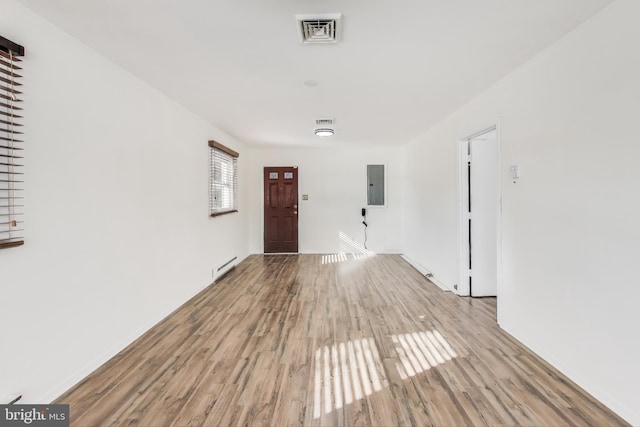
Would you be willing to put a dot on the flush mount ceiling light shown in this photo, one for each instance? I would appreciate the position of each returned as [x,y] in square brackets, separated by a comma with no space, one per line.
[324,132]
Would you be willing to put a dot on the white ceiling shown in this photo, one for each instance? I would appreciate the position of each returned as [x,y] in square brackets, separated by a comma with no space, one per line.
[400,68]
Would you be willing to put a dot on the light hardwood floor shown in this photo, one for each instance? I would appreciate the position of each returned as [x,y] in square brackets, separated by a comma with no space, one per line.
[330,340]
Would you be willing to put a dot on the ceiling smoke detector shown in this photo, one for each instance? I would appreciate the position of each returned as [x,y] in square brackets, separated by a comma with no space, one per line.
[318,29]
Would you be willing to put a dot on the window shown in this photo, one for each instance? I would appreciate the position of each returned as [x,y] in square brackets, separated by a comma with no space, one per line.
[11,172]
[223,177]
[376,185]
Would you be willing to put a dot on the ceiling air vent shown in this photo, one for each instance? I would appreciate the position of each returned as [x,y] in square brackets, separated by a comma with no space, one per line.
[314,29]
[324,122]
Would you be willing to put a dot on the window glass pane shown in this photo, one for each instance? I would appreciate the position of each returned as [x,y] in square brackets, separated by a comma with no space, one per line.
[224,176]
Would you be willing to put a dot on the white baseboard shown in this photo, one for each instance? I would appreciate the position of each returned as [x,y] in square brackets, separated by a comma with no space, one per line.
[629,414]
[87,369]
[426,273]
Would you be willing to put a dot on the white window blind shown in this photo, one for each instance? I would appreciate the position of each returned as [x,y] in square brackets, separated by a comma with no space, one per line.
[223,177]
[11,166]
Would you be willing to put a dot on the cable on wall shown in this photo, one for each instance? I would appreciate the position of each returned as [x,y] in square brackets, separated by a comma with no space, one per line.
[364,222]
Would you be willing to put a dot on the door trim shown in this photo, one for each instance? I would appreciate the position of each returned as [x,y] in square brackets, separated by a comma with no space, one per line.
[463,222]
[296,208]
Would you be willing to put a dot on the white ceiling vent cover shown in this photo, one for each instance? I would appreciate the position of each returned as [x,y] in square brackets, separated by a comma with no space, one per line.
[317,29]
[324,122]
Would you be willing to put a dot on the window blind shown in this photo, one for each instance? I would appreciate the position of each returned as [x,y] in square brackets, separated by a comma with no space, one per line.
[11,166]
[223,177]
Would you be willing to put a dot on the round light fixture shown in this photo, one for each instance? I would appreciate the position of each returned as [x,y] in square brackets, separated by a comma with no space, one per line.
[324,132]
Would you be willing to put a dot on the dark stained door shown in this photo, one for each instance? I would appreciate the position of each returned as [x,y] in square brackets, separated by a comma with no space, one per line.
[280,209]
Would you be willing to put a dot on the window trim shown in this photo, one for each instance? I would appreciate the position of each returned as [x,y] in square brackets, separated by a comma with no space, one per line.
[214,145]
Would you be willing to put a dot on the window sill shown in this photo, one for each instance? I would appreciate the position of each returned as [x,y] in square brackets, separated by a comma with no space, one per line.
[11,244]
[223,213]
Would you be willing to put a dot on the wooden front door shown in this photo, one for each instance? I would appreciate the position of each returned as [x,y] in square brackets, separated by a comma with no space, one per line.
[280,209]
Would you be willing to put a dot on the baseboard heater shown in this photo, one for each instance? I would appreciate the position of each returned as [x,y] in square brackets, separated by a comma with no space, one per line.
[225,268]
[14,400]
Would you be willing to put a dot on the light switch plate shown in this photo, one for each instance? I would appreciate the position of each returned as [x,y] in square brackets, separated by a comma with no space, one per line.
[305,197]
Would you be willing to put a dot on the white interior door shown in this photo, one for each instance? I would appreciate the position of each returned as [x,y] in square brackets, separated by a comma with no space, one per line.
[483,186]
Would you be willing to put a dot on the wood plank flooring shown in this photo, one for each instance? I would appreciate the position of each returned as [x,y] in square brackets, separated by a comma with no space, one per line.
[326,340]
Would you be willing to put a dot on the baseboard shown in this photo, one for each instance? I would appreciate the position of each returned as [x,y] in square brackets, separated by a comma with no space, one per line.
[426,273]
[630,415]
[318,252]
[90,367]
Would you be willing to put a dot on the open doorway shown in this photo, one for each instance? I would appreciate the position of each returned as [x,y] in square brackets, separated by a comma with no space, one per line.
[480,214]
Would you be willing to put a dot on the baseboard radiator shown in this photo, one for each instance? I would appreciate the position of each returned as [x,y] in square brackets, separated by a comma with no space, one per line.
[225,268]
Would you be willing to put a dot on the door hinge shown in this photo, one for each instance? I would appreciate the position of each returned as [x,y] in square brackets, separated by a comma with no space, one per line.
[469,158]
[469,273]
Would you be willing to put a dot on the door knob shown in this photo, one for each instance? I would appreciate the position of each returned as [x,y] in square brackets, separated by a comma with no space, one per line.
[295,206]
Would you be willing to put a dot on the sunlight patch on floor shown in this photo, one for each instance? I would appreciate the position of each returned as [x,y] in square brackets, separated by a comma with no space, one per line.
[342,257]
[350,249]
[346,372]
[420,351]
[348,244]
[334,258]
[349,371]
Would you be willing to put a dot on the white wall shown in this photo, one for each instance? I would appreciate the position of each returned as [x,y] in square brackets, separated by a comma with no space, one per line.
[335,180]
[570,234]
[117,227]
[430,206]
[117,233]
